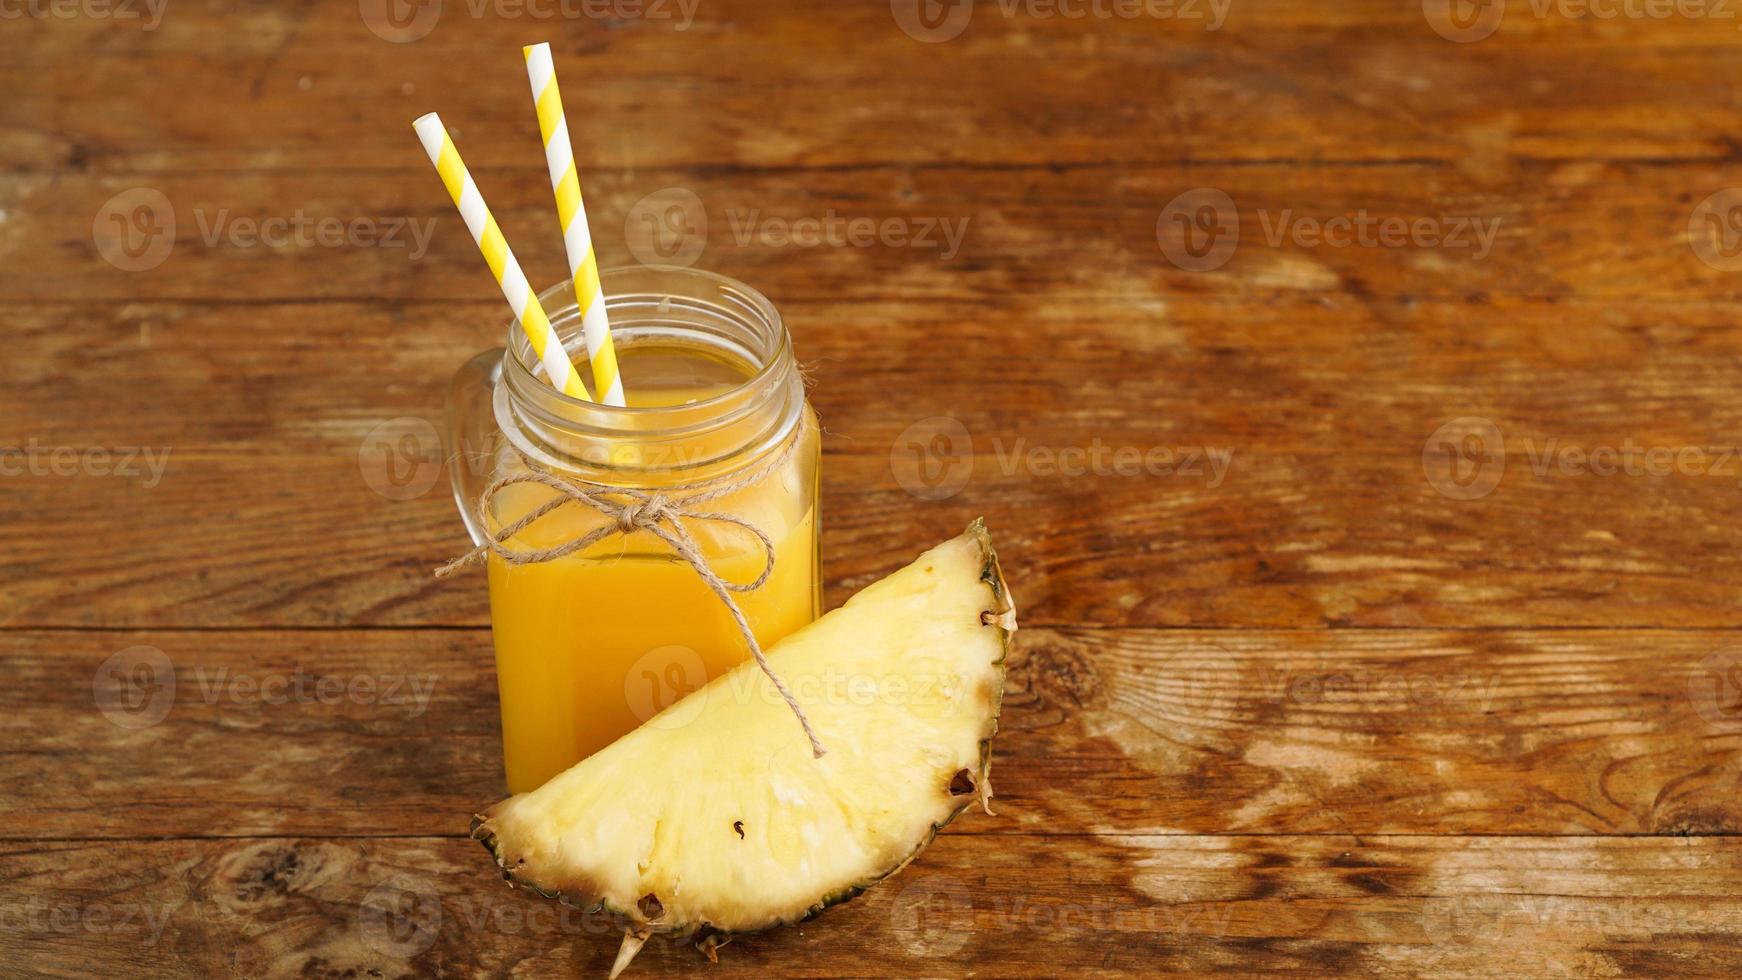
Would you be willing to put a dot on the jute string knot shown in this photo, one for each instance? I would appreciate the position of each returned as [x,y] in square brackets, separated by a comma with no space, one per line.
[667,518]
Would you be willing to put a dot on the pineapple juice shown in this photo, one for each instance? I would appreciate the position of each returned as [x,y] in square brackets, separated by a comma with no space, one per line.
[590,646]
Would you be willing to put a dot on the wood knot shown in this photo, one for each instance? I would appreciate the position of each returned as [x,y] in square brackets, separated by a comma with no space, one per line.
[1059,674]
[269,873]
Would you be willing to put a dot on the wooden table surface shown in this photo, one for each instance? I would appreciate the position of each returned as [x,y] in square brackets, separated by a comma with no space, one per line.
[1372,507]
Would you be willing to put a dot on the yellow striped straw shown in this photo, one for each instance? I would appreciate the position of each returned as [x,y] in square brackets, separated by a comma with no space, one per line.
[482,225]
[583,263]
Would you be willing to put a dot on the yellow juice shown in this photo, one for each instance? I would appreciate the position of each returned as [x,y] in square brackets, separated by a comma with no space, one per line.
[591,645]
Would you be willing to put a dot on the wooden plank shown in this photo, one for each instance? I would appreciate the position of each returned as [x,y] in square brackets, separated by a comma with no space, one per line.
[1060,905]
[1288,377]
[1260,374]
[1009,238]
[224,89]
[1105,731]
[231,539]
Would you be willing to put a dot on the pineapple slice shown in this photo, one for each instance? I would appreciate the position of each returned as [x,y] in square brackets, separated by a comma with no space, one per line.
[713,818]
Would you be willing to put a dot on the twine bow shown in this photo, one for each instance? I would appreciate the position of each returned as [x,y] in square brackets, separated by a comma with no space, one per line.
[664,517]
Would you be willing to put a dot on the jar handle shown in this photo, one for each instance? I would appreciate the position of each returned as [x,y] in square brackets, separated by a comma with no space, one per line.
[472,435]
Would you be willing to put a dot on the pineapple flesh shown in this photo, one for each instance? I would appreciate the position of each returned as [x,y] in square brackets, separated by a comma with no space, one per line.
[713,818]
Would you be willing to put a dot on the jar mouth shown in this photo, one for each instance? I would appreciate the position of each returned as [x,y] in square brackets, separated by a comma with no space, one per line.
[619,287]
[662,307]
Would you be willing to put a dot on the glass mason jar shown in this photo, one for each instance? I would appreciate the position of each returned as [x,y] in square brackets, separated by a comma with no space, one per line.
[590,645]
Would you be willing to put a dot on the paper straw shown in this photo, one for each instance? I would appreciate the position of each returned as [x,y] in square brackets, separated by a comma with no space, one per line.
[577,240]
[482,225]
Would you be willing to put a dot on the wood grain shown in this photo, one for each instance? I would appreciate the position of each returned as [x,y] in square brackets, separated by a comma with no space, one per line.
[1041,907]
[393,732]
[1331,712]
[1554,230]
[1325,515]
[1285,80]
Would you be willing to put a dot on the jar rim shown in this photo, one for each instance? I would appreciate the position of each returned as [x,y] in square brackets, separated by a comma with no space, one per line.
[752,415]
[761,304]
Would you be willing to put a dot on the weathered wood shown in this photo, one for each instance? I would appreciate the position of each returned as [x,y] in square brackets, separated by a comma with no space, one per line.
[1291,81]
[1324,516]
[1548,231]
[1036,907]
[394,732]
[1295,541]
[1321,715]
[1259,373]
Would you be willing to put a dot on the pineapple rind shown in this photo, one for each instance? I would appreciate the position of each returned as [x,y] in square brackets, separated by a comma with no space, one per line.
[593,899]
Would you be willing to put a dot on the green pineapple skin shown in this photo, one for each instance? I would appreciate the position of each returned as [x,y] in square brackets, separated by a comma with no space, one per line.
[703,932]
